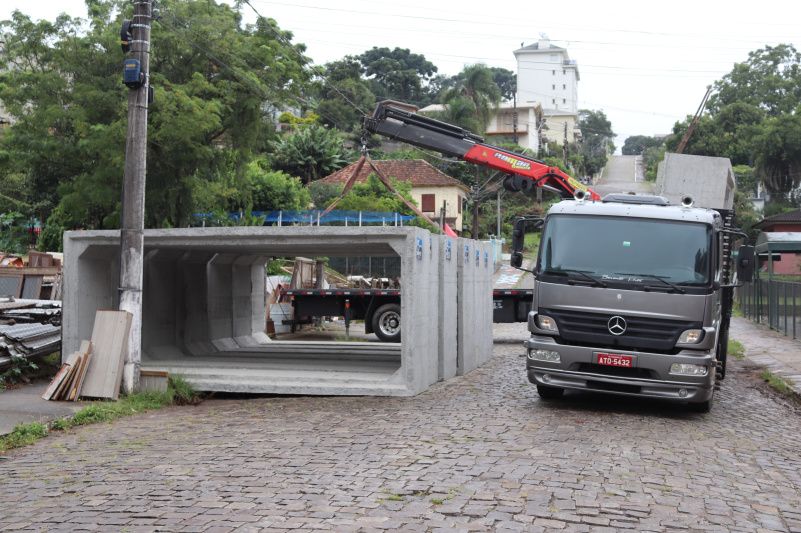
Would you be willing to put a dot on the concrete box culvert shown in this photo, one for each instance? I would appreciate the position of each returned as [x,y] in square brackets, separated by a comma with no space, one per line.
[203,308]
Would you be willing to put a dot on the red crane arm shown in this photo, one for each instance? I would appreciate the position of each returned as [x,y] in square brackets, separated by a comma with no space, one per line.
[536,171]
[524,171]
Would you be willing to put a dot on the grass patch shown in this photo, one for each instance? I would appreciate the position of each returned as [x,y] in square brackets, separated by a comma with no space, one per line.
[395,498]
[23,435]
[178,392]
[777,383]
[437,501]
[736,349]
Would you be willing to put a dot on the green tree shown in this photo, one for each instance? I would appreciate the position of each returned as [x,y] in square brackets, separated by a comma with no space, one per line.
[273,190]
[637,144]
[372,195]
[213,79]
[506,80]
[343,94]
[473,98]
[397,74]
[310,152]
[778,153]
[596,143]
[769,79]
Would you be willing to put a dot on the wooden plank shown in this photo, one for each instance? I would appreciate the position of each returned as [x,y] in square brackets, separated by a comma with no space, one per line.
[61,376]
[109,345]
[75,390]
[31,271]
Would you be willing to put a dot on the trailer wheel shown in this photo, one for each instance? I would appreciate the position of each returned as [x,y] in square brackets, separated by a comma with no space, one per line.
[549,393]
[387,323]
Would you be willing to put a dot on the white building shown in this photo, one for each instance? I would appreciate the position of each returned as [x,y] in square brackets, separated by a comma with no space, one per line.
[546,74]
[502,124]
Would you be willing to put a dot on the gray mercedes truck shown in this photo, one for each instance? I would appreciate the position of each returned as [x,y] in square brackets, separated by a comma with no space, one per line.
[633,294]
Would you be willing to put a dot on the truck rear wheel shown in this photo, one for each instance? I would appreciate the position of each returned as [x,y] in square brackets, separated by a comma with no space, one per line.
[549,393]
[387,323]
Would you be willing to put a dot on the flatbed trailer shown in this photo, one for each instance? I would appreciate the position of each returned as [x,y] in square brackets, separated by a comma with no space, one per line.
[380,308]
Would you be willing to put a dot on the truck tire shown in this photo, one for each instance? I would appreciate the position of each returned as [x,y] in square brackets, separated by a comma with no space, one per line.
[549,393]
[386,323]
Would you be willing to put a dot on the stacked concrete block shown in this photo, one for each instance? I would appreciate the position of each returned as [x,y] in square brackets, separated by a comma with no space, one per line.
[448,285]
[474,305]
[204,310]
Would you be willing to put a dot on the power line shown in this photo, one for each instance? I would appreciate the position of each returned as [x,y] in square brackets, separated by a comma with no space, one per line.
[319,72]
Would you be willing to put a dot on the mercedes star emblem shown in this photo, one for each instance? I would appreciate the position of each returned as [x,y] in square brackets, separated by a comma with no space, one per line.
[616,325]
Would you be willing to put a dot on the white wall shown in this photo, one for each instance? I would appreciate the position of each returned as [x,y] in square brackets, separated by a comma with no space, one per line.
[543,76]
[453,195]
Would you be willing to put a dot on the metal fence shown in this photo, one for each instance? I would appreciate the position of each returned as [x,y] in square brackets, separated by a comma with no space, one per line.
[772,302]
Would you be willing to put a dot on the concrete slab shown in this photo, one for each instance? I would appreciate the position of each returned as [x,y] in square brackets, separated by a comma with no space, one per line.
[203,300]
[25,404]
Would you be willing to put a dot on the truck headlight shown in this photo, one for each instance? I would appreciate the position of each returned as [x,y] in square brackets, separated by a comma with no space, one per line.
[547,323]
[691,336]
[685,369]
[548,356]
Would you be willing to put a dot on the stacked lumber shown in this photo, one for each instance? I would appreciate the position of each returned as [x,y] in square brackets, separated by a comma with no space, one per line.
[95,370]
[69,379]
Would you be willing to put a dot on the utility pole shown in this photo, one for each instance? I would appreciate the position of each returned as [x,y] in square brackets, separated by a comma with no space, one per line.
[133,194]
[564,146]
[514,117]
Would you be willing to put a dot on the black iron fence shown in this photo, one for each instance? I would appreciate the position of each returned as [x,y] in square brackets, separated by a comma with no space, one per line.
[772,302]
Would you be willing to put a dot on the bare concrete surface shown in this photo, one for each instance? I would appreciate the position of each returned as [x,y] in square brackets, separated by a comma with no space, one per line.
[623,173]
[768,348]
[480,452]
[24,404]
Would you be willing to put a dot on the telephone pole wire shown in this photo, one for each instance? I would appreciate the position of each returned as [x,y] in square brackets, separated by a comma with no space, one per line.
[133,195]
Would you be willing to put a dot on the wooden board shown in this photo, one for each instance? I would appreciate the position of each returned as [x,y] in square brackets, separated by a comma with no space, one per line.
[109,345]
[61,376]
[80,373]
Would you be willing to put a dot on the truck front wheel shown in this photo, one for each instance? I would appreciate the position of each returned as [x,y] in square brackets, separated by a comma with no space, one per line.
[549,393]
[387,323]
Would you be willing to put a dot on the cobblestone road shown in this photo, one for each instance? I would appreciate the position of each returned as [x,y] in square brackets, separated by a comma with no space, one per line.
[478,453]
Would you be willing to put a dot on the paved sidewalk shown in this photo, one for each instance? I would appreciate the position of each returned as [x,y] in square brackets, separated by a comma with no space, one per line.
[25,404]
[771,349]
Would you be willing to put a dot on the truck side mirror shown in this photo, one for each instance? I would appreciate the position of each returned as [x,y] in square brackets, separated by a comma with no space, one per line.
[745,264]
[519,236]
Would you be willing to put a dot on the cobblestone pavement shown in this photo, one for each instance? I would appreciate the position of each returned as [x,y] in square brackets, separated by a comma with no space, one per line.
[479,453]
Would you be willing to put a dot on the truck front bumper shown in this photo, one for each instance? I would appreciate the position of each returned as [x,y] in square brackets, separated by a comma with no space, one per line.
[650,377]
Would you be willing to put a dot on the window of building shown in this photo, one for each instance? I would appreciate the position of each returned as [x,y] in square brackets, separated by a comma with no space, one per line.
[564,71]
[553,72]
[553,86]
[564,100]
[564,86]
[459,205]
[553,101]
[429,202]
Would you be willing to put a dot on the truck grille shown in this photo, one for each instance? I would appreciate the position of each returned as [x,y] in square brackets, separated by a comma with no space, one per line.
[652,334]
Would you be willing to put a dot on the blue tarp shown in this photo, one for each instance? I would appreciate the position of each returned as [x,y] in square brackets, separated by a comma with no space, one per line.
[310,216]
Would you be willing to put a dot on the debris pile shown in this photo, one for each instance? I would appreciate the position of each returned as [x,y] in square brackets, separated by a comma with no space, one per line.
[27,340]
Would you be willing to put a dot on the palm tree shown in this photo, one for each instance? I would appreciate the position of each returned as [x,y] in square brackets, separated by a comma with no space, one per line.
[471,101]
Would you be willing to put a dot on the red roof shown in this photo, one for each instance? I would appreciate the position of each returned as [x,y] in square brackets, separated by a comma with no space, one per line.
[418,172]
[788,217]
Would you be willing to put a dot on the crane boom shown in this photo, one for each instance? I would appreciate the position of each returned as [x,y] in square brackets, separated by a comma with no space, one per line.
[523,172]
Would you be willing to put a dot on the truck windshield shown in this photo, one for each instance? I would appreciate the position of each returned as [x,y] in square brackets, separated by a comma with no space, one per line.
[632,251]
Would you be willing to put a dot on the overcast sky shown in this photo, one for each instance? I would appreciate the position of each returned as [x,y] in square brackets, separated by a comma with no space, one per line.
[645,64]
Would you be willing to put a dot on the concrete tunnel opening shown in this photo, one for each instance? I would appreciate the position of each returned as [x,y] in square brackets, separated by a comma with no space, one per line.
[204,308]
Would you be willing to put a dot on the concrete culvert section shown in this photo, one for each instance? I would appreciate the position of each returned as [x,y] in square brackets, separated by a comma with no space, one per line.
[204,309]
